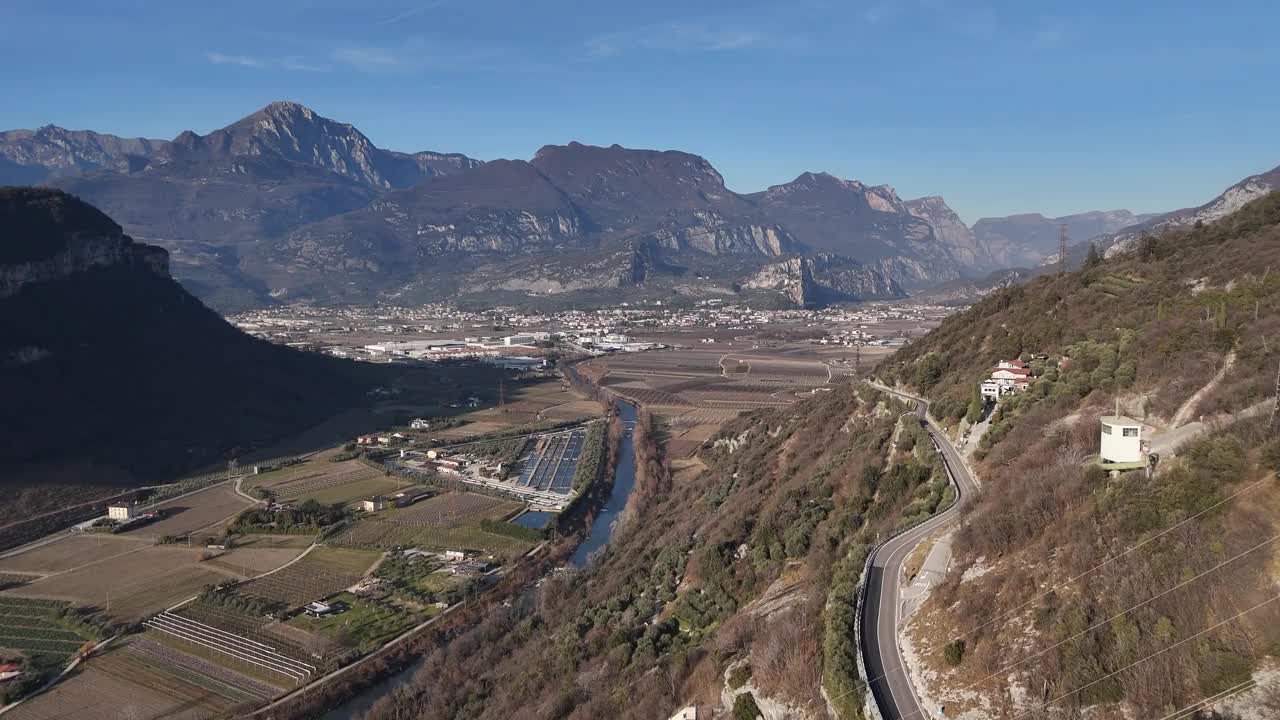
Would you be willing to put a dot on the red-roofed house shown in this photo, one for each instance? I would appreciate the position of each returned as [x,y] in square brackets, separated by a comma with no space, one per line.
[1006,377]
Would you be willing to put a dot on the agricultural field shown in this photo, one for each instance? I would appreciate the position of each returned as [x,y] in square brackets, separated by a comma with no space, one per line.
[323,572]
[234,686]
[327,482]
[32,627]
[451,510]
[525,407]
[376,533]
[131,585]
[249,558]
[364,625]
[572,410]
[280,637]
[229,650]
[194,512]
[71,552]
[121,684]
[709,386]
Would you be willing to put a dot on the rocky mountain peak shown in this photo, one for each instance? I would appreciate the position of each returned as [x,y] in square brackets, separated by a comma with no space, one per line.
[288,108]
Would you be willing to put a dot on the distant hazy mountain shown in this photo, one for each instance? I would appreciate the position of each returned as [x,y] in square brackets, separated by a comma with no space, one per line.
[297,134]
[575,219]
[1231,200]
[28,157]
[966,291]
[207,198]
[285,203]
[868,223]
[1026,240]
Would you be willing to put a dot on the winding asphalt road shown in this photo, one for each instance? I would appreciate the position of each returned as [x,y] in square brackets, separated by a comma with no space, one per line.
[890,685]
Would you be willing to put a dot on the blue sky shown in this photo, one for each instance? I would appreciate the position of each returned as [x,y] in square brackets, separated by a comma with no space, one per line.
[1001,107]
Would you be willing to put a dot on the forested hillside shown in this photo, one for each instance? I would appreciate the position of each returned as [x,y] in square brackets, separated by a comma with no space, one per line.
[720,581]
[1130,595]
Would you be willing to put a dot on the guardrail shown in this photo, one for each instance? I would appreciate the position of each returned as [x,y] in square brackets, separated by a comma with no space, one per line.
[872,710]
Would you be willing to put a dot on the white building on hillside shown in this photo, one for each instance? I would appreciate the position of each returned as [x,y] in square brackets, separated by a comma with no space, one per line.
[1006,377]
[1121,439]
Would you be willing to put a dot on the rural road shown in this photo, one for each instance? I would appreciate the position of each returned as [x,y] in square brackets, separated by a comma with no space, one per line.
[890,684]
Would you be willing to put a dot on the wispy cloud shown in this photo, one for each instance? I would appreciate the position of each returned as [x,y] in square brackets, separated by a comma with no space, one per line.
[293,63]
[218,58]
[370,58]
[412,12]
[678,36]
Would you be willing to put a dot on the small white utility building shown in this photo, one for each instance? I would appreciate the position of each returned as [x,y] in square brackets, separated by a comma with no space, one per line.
[1121,439]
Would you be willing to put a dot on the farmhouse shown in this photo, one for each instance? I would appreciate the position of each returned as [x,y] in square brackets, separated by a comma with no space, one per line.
[1121,439]
[122,510]
[319,609]
[10,670]
[374,504]
[1006,377]
[409,497]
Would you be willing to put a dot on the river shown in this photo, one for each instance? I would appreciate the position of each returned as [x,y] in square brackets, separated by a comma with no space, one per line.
[624,481]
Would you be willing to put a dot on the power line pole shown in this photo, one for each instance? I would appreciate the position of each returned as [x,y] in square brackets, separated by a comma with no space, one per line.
[1275,409]
[1062,250]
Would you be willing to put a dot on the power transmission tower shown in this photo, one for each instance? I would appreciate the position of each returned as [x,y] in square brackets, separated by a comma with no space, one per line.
[1062,250]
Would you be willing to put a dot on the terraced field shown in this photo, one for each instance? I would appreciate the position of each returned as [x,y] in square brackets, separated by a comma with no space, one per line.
[29,626]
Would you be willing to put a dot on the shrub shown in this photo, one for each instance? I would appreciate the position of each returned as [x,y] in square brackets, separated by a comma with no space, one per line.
[739,676]
[745,708]
[953,652]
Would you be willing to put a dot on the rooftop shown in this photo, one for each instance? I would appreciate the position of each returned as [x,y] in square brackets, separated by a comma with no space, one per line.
[1120,420]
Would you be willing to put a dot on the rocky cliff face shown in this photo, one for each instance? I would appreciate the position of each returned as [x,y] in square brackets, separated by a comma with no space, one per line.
[869,223]
[824,278]
[676,198]
[950,231]
[35,254]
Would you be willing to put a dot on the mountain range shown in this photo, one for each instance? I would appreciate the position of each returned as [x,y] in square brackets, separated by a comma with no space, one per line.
[285,204]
